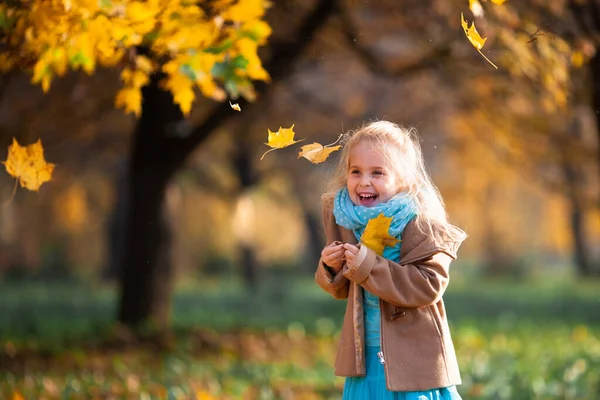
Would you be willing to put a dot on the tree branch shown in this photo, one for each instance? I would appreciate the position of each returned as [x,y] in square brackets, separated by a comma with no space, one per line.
[283,56]
[372,61]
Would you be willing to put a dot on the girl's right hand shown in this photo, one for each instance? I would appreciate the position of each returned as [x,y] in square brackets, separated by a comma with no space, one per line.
[333,256]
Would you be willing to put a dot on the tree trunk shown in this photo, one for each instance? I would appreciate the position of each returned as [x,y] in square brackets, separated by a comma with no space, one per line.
[574,180]
[587,16]
[147,270]
[158,152]
[595,74]
[117,225]
[245,214]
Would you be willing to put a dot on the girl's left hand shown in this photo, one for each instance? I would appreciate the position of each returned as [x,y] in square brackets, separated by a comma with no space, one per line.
[350,253]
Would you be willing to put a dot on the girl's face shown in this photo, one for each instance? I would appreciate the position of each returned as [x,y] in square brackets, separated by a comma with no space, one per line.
[370,180]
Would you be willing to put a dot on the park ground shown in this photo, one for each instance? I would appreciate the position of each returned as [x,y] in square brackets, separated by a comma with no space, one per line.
[515,340]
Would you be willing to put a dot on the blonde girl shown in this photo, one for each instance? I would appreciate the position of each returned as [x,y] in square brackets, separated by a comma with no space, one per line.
[395,341]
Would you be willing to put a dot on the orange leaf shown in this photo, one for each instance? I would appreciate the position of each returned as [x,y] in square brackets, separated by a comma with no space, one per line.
[27,164]
[376,235]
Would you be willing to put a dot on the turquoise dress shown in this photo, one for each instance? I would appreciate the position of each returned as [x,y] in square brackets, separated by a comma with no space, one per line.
[373,385]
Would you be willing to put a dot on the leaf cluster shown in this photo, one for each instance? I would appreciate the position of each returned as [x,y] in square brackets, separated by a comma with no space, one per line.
[208,45]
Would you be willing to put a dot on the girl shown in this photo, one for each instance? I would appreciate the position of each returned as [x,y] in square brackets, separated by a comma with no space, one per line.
[395,341]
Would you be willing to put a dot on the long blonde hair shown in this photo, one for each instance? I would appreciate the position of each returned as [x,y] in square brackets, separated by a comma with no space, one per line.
[401,150]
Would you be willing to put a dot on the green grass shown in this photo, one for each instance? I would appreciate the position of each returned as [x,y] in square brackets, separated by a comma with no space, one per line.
[514,341]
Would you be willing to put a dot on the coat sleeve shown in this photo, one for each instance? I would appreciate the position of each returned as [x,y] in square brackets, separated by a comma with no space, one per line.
[336,285]
[414,285]
[417,283]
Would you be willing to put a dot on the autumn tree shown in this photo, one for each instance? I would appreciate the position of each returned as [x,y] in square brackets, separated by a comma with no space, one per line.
[168,50]
[551,75]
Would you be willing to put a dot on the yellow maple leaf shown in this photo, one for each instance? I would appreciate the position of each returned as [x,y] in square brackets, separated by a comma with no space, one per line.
[27,164]
[498,2]
[476,40]
[284,137]
[235,106]
[376,235]
[316,153]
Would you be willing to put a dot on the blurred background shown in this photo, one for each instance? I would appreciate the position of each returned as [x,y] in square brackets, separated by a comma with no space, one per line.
[145,270]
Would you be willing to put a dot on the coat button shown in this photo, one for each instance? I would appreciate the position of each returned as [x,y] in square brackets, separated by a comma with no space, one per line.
[400,314]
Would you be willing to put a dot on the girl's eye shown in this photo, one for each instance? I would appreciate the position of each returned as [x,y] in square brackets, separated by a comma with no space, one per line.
[377,173]
[355,172]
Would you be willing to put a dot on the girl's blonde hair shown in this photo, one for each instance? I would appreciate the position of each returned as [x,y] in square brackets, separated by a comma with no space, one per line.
[401,150]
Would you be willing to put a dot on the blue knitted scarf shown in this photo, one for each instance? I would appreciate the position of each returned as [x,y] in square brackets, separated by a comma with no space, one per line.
[401,208]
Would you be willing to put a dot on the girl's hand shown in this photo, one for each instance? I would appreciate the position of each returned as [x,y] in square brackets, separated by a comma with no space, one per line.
[333,256]
[351,251]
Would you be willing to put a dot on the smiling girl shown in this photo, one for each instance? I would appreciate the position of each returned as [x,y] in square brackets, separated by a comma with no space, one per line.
[395,341]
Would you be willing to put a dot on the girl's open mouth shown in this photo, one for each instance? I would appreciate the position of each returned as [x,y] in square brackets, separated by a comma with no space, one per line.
[367,199]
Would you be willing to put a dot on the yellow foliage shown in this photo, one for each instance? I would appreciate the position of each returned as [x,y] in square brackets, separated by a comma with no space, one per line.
[130,98]
[376,235]
[284,137]
[183,93]
[67,35]
[27,164]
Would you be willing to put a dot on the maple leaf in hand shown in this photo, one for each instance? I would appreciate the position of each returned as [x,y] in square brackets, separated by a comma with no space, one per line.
[376,235]
[27,164]
[284,137]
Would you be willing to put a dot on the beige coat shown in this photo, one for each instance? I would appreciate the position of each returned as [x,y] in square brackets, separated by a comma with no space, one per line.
[417,348]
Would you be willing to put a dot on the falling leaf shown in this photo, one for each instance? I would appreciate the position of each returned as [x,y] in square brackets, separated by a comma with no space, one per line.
[27,164]
[316,153]
[476,40]
[284,137]
[498,2]
[376,235]
[476,8]
[235,106]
